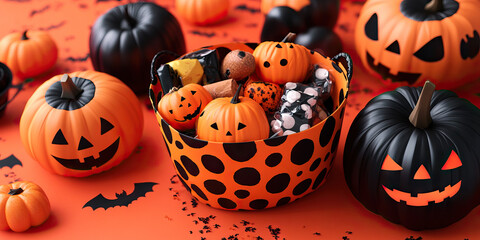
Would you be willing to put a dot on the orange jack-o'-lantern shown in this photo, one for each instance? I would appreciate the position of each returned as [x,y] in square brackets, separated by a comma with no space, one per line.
[181,107]
[81,124]
[411,41]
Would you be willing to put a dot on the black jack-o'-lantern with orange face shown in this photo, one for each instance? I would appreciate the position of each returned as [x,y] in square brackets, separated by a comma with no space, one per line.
[407,42]
[422,174]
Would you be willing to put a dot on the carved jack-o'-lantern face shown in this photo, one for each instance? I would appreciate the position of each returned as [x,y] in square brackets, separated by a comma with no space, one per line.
[408,44]
[181,107]
[93,158]
[423,197]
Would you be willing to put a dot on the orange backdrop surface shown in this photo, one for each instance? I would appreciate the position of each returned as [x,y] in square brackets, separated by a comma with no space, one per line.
[169,212]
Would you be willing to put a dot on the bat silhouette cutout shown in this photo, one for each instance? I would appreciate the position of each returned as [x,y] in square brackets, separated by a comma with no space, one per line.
[140,190]
[10,162]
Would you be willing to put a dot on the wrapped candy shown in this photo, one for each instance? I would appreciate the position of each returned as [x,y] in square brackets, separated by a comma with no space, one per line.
[321,79]
[209,60]
[296,110]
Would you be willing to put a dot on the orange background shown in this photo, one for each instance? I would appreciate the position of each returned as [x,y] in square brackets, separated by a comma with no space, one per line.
[168,212]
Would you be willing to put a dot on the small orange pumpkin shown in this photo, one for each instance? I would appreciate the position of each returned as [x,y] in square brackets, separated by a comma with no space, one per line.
[29,53]
[182,107]
[81,124]
[202,12]
[22,205]
[282,62]
[237,119]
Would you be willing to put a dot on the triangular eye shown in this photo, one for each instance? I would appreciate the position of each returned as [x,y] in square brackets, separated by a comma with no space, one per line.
[241,126]
[390,165]
[193,92]
[371,27]
[394,47]
[84,144]
[59,139]
[453,162]
[214,126]
[105,126]
[182,98]
[432,51]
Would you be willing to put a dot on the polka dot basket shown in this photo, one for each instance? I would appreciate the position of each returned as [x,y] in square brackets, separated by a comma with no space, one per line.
[263,173]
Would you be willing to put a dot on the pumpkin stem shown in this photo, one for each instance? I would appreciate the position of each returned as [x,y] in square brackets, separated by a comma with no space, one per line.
[24,35]
[420,116]
[434,6]
[131,22]
[69,89]
[290,37]
[173,89]
[235,98]
[15,191]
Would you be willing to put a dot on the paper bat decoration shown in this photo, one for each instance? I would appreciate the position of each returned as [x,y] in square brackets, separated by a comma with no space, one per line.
[10,162]
[140,190]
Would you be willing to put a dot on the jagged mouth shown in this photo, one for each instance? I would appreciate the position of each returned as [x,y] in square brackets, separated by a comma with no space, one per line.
[423,199]
[384,71]
[90,162]
[192,115]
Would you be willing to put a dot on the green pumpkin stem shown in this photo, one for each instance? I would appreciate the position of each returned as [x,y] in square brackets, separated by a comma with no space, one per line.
[69,89]
[290,37]
[420,116]
[235,98]
[24,35]
[15,191]
[434,6]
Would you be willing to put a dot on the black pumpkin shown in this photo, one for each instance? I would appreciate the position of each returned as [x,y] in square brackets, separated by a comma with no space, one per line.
[418,173]
[322,40]
[124,40]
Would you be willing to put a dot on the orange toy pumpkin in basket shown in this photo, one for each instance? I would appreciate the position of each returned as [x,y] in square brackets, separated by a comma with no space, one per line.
[411,41]
[282,62]
[237,119]
[22,205]
[29,53]
[181,107]
[202,12]
[81,124]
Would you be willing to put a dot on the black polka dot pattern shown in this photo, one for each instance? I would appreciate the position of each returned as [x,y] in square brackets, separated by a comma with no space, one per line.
[327,131]
[241,54]
[341,96]
[180,170]
[258,204]
[189,165]
[302,187]
[185,184]
[283,62]
[215,187]
[166,131]
[266,64]
[240,152]
[278,183]
[179,145]
[276,141]
[226,203]
[193,142]
[328,104]
[199,192]
[247,176]
[302,151]
[315,164]
[213,164]
[242,194]
[273,159]
[326,157]
[283,201]
[299,173]
[319,178]
[337,67]
[335,141]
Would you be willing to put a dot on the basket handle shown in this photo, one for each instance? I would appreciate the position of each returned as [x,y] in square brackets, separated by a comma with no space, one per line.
[349,61]
[160,58]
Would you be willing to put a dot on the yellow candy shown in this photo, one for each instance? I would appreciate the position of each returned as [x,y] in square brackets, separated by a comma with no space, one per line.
[189,71]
